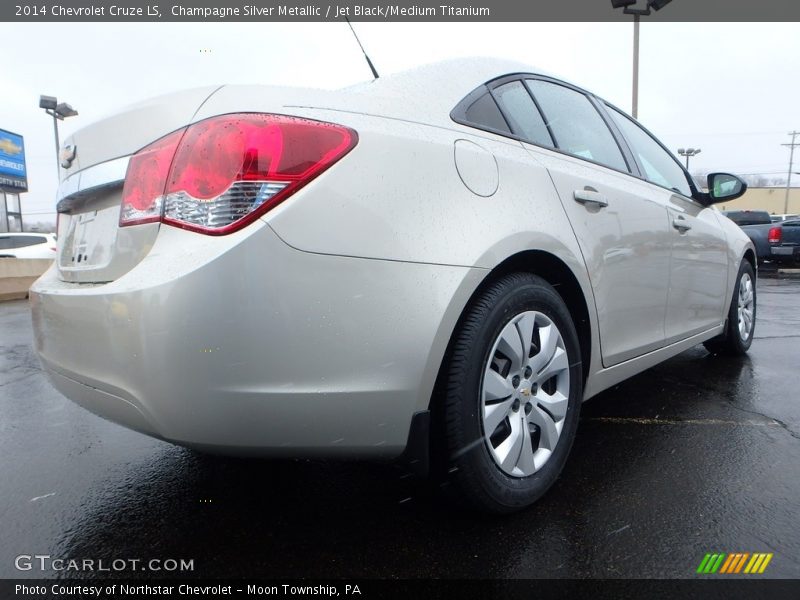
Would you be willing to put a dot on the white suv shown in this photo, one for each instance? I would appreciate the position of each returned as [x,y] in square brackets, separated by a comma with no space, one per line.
[28,245]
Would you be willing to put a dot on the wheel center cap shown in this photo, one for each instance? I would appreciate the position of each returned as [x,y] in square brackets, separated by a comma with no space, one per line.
[527,389]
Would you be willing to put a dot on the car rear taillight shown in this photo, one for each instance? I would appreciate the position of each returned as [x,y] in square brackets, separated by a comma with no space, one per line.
[145,180]
[774,236]
[218,175]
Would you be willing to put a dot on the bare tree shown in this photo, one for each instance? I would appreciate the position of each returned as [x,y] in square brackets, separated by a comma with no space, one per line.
[42,226]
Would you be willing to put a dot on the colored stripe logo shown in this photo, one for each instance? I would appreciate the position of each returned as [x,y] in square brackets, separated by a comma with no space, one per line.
[734,563]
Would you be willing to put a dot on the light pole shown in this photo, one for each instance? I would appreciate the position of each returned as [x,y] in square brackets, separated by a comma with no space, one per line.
[688,153]
[59,111]
[637,13]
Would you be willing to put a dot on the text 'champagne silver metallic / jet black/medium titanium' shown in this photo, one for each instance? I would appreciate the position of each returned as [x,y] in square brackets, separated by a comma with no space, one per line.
[440,264]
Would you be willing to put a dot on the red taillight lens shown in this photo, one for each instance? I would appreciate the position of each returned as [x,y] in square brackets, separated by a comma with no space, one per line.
[774,236]
[225,172]
[143,194]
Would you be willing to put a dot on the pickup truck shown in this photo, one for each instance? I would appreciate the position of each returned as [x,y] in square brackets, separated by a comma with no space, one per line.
[777,243]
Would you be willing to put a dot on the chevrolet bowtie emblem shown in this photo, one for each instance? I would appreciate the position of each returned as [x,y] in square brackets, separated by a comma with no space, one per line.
[9,147]
[67,155]
[526,391]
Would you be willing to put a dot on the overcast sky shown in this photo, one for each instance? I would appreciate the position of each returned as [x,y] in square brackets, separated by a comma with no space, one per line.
[732,89]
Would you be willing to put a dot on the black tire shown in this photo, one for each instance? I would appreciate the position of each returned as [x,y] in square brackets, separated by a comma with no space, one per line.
[477,477]
[731,342]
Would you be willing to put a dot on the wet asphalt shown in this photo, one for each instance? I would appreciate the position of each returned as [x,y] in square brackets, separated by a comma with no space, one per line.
[699,454]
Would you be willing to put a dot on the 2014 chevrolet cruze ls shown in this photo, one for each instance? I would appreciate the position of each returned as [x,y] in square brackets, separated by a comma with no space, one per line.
[443,263]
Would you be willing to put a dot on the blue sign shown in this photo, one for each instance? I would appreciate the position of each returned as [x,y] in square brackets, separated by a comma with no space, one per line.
[13,174]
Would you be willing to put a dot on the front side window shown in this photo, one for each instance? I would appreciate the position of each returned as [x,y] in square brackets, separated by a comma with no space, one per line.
[659,165]
[576,125]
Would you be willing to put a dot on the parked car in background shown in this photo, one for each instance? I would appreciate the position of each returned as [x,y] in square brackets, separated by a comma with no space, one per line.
[27,245]
[748,217]
[440,264]
[783,242]
[776,242]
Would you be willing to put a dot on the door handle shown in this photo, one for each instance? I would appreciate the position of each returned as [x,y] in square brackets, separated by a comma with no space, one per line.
[592,197]
[680,224]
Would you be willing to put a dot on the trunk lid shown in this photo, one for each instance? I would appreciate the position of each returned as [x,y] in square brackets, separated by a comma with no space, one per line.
[92,248]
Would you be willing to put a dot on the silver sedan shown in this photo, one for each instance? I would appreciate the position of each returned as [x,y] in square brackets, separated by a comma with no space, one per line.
[440,265]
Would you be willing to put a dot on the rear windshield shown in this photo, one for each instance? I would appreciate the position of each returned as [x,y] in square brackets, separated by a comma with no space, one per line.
[748,217]
[20,241]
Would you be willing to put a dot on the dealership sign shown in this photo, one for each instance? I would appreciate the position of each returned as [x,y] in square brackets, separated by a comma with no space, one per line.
[13,175]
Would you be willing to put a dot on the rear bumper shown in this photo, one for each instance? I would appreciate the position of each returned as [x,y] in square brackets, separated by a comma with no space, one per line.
[785,253]
[242,344]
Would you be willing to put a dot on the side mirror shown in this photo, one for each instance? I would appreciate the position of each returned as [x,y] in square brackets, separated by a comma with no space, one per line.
[724,186]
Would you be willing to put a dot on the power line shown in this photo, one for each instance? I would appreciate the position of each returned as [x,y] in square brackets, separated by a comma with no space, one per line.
[794,135]
[717,133]
[761,173]
[771,168]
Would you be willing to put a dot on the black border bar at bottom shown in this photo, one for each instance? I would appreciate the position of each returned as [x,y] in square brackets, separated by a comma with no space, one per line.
[483,589]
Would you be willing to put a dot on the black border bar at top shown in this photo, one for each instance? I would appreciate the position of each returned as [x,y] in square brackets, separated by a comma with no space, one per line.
[391,11]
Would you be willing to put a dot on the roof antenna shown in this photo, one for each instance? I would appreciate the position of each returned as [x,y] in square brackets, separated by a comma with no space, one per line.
[369,62]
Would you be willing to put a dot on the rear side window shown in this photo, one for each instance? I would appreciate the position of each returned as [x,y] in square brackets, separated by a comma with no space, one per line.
[525,119]
[576,125]
[484,113]
[658,164]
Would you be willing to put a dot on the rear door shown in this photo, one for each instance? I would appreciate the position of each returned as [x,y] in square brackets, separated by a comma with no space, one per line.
[698,273]
[620,224]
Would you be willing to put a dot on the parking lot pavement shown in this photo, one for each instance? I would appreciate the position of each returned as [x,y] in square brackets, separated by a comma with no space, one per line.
[700,454]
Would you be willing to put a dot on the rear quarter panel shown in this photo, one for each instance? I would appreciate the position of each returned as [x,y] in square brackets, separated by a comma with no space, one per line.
[738,244]
[399,196]
[758,236]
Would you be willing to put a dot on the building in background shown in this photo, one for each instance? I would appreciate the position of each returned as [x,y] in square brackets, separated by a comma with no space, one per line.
[770,199]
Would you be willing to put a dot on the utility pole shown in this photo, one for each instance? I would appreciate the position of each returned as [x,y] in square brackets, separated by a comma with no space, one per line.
[794,135]
[635,100]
